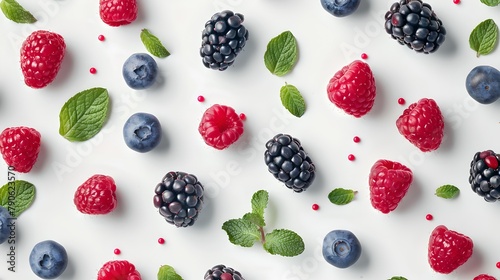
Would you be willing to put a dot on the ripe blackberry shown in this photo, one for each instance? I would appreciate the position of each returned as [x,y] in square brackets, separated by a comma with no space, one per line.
[223,38]
[179,198]
[222,272]
[414,23]
[289,163]
[485,176]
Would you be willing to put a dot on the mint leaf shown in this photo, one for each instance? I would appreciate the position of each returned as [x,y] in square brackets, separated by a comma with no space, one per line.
[484,37]
[284,242]
[491,3]
[153,44]
[259,202]
[447,191]
[167,272]
[254,218]
[281,54]
[398,278]
[17,196]
[340,196]
[241,232]
[83,115]
[15,12]
[292,100]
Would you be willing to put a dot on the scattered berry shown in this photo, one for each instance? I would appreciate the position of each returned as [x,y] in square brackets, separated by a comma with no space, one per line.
[140,71]
[220,126]
[41,56]
[482,84]
[353,89]
[116,13]
[289,163]
[222,272]
[364,56]
[341,248]
[4,224]
[401,101]
[243,116]
[356,139]
[422,124]
[179,198]
[201,98]
[340,8]
[484,277]
[315,207]
[448,249]
[48,259]
[101,38]
[456,1]
[92,70]
[498,264]
[117,251]
[429,217]
[484,177]
[142,132]
[351,157]
[389,181]
[19,147]
[118,269]
[161,240]
[96,195]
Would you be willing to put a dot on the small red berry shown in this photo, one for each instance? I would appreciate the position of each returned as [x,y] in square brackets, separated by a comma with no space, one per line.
[243,117]
[201,98]
[364,56]
[117,251]
[498,264]
[315,207]
[351,157]
[456,1]
[161,240]
[356,139]
[92,70]
[401,101]
[101,37]
[429,217]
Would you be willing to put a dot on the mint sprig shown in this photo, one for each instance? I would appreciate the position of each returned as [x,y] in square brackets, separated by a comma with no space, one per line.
[153,44]
[341,196]
[484,37]
[15,12]
[281,54]
[447,191]
[166,272]
[249,229]
[17,196]
[491,3]
[83,115]
[292,100]
[397,278]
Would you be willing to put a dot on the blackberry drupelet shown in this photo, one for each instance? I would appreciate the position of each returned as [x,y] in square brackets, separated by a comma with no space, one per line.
[223,39]
[414,23]
[179,198]
[485,176]
[222,272]
[288,162]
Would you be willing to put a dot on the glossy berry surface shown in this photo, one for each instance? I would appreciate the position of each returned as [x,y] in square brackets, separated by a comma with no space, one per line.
[484,175]
[484,277]
[96,195]
[340,8]
[41,56]
[142,132]
[422,123]
[448,249]
[389,182]
[341,248]
[222,272]
[20,147]
[220,126]
[118,270]
[48,259]
[140,71]
[483,84]
[118,12]
[353,89]
[4,224]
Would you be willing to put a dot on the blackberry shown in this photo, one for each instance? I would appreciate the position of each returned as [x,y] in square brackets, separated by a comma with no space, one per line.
[179,198]
[222,272]
[414,23]
[223,39]
[288,162]
[484,175]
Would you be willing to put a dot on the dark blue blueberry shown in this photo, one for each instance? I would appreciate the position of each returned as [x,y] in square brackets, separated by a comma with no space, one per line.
[4,224]
[483,84]
[142,132]
[340,8]
[341,248]
[48,259]
[140,71]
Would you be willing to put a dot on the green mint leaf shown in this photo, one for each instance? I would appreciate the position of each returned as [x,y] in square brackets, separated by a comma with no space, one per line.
[241,232]
[153,44]
[484,37]
[281,54]
[447,191]
[340,196]
[166,272]
[397,278]
[15,12]
[284,242]
[491,3]
[254,218]
[17,196]
[259,202]
[83,115]
[292,100]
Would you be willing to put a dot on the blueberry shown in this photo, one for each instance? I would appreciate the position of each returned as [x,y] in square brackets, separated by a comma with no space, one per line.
[142,132]
[483,84]
[140,71]
[340,8]
[48,259]
[4,224]
[341,248]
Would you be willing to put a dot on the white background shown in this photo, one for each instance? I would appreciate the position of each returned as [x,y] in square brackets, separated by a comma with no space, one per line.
[393,244]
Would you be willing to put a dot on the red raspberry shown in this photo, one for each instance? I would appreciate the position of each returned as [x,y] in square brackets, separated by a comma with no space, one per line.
[448,249]
[220,126]
[422,124]
[118,12]
[353,89]
[389,181]
[96,195]
[41,56]
[20,147]
[484,277]
[118,270]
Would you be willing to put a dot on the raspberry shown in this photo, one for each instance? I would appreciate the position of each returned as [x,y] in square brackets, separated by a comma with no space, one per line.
[484,277]
[448,249]
[222,272]
[220,126]
[353,89]
[96,195]
[389,181]
[19,147]
[117,270]
[484,175]
[41,56]
[422,124]
[118,12]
